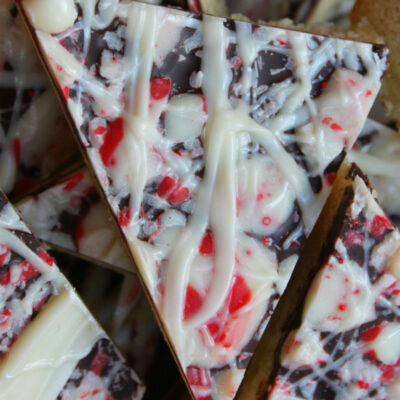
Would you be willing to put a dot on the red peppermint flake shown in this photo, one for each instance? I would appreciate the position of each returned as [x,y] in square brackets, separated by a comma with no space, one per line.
[371,333]
[72,182]
[356,291]
[352,82]
[125,216]
[334,318]
[95,391]
[282,42]
[259,197]
[205,108]
[65,92]
[59,67]
[342,307]
[160,88]
[4,252]
[368,93]
[266,221]
[265,241]
[5,277]
[336,127]
[180,195]
[378,225]
[199,378]
[324,84]
[327,120]
[330,178]
[44,255]
[207,245]
[240,294]
[16,149]
[165,187]
[98,363]
[100,130]
[388,372]
[193,302]
[28,271]
[85,394]
[363,384]
[354,238]
[370,354]
[113,137]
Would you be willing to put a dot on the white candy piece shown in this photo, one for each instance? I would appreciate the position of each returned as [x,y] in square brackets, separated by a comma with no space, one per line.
[52,16]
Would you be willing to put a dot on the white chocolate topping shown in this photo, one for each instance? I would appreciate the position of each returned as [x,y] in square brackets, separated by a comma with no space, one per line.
[45,354]
[348,343]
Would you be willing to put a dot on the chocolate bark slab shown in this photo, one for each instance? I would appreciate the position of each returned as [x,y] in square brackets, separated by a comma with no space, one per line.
[50,345]
[215,152]
[339,335]
[34,139]
[70,216]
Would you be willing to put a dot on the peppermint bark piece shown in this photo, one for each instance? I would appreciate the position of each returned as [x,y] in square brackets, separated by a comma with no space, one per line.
[70,216]
[377,152]
[340,338]
[215,142]
[50,345]
[34,138]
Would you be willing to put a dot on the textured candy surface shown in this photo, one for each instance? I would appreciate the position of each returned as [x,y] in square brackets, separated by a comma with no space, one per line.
[347,345]
[181,142]
[71,216]
[50,345]
[34,138]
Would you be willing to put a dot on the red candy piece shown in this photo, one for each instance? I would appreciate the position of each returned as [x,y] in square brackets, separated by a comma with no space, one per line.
[28,271]
[371,333]
[98,363]
[113,137]
[125,216]
[179,196]
[172,191]
[5,278]
[330,178]
[160,88]
[378,226]
[5,251]
[354,238]
[193,302]
[44,255]
[363,385]
[241,294]
[207,245]
[165,187]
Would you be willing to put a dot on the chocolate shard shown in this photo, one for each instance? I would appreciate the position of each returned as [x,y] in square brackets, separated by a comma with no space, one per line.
[50,345]
[335,331]
[215,175]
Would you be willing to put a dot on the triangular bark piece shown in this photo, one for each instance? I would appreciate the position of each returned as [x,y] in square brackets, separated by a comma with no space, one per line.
[335,333]
[50,345]
[216,143]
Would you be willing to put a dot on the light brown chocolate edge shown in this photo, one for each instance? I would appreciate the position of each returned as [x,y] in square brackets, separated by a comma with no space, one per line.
[264,365]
